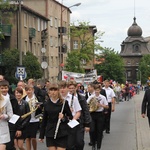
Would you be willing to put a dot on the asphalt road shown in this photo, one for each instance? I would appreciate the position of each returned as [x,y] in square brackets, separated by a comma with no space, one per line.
[122,133]
[123,129]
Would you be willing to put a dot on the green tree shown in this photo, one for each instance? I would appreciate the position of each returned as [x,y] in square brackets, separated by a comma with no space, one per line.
[86,46]
[11,61]
[111,66]
[73,62]
[33,67]
[5,12]
[144,68]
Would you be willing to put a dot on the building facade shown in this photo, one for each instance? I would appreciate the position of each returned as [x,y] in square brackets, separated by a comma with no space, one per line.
[32,26]
[58,27]
[132,50]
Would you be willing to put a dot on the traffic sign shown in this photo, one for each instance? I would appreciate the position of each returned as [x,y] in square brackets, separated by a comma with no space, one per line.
[20,77]
[20,73]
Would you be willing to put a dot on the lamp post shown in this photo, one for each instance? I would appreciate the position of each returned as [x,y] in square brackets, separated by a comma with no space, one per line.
[140,75]
[61,38]
[19,29]
[20,35]
[44,64]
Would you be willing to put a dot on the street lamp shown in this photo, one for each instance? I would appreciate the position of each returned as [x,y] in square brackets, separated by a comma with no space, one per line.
[61,38]
[19,30]
[44,64]
[78,4]
[20,35]
[140,75]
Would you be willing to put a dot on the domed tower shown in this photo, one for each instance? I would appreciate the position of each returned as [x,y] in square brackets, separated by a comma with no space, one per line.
[135,30]
[132,50]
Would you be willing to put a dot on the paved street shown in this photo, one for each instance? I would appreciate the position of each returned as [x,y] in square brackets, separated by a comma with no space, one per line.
[128,130]
[123,129]
[143,130]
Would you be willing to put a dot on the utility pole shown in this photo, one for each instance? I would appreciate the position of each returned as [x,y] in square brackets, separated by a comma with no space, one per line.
[20,35]
[60,53]
[140,77]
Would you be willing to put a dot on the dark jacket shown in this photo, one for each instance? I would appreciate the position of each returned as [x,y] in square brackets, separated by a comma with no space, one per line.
[50,118]
[85,118]
[14,104]
[146,103]
[39,94]
[39,110]
[87,94]
[23,109]
[103,92]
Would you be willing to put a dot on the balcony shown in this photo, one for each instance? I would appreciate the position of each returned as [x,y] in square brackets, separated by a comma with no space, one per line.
[64,48]
[5,30]
[62,30]
[32,32]
[44,35]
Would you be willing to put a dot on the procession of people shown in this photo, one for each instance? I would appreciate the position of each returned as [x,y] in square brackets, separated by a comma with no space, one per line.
[61,112]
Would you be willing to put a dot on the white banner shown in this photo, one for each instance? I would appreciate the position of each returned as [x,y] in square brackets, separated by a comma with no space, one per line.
[91,76]
[80,77]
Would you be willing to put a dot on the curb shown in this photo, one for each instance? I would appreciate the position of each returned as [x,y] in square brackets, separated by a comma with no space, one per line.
[142,127]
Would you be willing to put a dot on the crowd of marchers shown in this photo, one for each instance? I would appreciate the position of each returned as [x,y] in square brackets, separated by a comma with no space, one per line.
[61,112]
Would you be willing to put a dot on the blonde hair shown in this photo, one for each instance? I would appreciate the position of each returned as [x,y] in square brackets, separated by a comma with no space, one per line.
[29,86]
[62,83]
[1,96]
[72,82]
[60,98]
[1,99]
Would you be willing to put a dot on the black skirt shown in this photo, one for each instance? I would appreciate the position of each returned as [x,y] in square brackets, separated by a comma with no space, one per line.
[31,129]
[23,135]
[58,142]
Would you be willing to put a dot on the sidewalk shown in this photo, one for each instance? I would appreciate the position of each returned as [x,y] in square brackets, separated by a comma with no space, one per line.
[143,130]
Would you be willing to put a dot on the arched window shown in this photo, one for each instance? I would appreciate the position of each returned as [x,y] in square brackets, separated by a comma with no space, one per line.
[136,48]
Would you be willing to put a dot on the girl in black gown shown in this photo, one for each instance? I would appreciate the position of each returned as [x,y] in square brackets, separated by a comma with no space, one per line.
[52,112]
[23,108]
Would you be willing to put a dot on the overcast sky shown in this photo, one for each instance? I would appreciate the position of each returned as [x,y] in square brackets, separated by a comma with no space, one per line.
[113,17]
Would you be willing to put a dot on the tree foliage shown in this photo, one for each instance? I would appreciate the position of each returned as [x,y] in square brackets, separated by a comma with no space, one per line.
[144,68]
[86,46]
[111,66]
[6,11]
[73,62]
[30,62]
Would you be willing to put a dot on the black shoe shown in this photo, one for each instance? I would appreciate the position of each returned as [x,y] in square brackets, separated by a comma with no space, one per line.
[108,132]
[90,144]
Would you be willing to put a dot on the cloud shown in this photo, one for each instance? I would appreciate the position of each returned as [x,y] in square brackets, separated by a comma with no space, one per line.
[113,17]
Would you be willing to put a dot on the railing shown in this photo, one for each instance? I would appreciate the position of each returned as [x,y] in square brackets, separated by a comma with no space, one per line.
[32,32]
[5,30]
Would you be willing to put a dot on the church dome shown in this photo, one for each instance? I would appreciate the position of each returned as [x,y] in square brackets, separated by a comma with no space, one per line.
[134,30]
